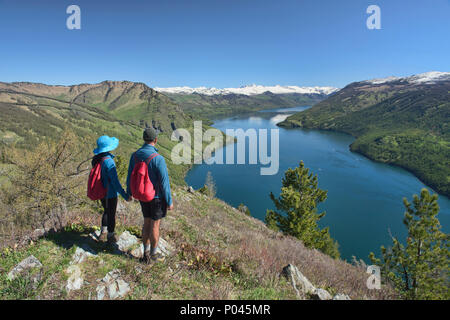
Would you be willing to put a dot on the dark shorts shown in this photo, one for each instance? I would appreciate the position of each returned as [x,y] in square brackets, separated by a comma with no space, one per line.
[155,209]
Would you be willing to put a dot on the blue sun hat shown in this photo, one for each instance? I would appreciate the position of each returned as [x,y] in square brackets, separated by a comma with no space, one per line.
[106,144]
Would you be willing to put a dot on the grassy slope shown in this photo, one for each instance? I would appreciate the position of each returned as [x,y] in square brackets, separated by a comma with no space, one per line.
[209,107]
[398,124]
[251,259]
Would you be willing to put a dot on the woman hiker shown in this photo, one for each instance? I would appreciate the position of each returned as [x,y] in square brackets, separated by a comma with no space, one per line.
[110,181]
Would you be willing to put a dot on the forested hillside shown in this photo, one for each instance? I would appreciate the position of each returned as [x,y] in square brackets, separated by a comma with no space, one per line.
[398,122]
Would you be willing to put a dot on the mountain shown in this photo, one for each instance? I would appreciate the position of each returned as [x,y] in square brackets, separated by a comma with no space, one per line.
[34,112]
[250,90]
[210,103]
[402,121]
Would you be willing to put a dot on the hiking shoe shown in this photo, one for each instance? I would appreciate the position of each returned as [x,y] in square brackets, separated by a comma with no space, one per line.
[112,239]
[157,257]
[146,258]
[103,237]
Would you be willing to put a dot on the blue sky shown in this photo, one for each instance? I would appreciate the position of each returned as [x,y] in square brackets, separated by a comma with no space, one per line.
[222,43]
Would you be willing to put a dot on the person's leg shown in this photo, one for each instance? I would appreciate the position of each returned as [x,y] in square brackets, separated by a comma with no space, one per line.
[146,234]
[112,207]
[104,225]
[154,235]
[146,231]
[158,211]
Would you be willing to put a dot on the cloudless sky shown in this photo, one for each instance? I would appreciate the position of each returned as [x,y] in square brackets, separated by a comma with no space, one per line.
[221,43]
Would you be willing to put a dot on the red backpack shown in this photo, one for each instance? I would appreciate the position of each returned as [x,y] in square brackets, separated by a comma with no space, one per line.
[95,189]
[141,187]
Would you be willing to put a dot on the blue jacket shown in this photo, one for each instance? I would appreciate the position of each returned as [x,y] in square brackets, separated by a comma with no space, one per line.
[157,172]
[109,176]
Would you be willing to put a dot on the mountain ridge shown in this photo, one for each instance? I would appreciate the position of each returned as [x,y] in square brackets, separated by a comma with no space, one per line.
[249,90]
[401,122]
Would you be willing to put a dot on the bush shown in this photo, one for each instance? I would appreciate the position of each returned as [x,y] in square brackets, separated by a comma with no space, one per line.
[43,186]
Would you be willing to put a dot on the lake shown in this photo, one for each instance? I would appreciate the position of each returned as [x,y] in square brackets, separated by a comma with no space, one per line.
[364,197]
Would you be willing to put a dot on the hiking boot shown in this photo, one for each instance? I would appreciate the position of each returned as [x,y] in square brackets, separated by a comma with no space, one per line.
[146,258]
[103,237]
[157,257]
[112,239]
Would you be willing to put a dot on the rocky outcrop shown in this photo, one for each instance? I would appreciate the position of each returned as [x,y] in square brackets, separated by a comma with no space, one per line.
[25,265]
[112,286]
[304,288]
[75,280]
[27,269]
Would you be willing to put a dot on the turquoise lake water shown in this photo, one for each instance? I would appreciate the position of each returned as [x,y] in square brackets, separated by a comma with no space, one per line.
[364,197]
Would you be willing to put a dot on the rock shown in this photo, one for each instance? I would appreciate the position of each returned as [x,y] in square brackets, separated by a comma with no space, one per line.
[126,240]
[38,233]
[81,254]
[112,284]
[341,296]
[27,264]
[321,294]
[243,208]
[300,283]
[190,189]
[101,291]
[164,247]
[75,280]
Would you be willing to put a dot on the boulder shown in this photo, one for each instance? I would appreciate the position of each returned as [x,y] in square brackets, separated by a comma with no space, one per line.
[81,254]
[27,264]
[302,286]
[75,280]
[300,283]
[321,294]
[126,240]
[112,284]
[341,296]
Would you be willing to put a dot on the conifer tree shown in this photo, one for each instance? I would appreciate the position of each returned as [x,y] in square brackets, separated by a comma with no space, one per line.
[419,269]
[297,214]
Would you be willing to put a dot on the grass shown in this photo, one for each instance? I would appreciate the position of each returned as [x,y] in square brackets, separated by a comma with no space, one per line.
[220,253]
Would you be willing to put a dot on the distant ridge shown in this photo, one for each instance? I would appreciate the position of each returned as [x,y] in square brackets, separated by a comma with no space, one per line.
[249,90]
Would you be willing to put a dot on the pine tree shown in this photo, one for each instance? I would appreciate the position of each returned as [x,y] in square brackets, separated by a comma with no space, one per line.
[420,268]
[298,201]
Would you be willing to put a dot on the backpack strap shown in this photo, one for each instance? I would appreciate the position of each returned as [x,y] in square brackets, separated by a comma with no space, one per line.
[151,157]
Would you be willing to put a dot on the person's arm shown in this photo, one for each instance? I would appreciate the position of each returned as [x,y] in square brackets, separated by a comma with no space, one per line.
[164,179]
[130,170]
[114,179]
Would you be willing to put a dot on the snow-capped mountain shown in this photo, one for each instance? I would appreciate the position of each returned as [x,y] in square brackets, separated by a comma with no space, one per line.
[249,90]
[427,77]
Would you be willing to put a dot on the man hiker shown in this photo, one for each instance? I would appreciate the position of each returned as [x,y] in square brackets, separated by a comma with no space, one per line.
[161,199]
[112,185]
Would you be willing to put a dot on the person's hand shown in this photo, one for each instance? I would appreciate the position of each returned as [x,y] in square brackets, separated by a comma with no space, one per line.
[170,207]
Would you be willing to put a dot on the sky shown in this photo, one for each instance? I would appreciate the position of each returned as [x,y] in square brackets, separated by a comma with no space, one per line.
[222,43]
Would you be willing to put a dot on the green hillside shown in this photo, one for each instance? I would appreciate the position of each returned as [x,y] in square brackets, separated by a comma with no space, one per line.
[32,113]
[398,123]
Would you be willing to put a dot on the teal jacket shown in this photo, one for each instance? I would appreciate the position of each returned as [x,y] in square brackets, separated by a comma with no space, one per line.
[157,172]
[109,176]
